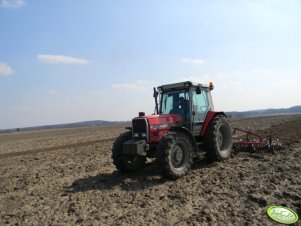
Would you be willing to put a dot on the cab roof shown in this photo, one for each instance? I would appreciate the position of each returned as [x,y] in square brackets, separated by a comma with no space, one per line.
[182,85]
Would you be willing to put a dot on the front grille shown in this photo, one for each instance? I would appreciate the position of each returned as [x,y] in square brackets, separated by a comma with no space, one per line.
[140,128]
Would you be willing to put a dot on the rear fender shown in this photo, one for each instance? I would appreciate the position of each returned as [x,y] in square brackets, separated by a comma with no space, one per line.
[188,133]
[210,115]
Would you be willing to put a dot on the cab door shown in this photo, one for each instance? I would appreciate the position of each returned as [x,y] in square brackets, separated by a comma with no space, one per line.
[199,110]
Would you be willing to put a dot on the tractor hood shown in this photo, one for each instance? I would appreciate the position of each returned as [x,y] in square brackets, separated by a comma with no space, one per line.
[158,125]
[163,119]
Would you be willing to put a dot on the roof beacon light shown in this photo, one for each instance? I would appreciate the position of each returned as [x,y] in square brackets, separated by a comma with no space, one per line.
[211,86]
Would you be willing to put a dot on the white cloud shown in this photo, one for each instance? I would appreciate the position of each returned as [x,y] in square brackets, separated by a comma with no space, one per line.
[235,83]
[140,85]
[60,59]
[5,69]
[12,3]
[285,83]
[53,92]
[192,61]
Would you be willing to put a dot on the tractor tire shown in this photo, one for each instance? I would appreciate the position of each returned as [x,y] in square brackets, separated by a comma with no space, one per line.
[126,163]
[218,139]
[174,157]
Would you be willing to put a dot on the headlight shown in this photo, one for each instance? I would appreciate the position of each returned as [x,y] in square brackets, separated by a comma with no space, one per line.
[137,135]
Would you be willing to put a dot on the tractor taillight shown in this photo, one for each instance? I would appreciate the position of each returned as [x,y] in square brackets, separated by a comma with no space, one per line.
[211,86]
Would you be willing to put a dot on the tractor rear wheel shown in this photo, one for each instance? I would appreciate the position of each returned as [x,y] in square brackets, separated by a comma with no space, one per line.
[218,139]
[175,155]
[126,163]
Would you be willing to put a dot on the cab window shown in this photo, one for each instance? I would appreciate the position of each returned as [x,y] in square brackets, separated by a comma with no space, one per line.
[200,105]
[175,102]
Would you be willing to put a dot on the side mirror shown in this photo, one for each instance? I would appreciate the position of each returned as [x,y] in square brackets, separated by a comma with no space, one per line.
[156,93]
[198,90]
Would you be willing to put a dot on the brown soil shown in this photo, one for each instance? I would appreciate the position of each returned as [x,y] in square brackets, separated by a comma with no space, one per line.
[61,177]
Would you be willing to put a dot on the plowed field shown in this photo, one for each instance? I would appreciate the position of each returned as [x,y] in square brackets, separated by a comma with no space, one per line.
[66,177]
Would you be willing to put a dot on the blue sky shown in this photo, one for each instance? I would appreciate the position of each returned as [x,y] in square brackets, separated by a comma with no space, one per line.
[67,61]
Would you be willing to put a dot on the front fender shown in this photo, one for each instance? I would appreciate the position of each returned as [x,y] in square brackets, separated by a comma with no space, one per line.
[210,115]
[188,133]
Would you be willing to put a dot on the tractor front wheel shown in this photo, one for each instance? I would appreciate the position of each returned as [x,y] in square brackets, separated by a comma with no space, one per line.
[175,155]
[218,139]
[126,163]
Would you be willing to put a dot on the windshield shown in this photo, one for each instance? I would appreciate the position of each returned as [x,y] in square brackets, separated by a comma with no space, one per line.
[175,102]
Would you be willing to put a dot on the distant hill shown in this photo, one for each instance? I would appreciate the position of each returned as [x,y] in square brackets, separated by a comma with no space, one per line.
[270,111]
[232,114]
[67,125]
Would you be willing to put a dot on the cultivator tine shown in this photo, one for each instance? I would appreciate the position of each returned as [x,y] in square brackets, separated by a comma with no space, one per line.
[253,142]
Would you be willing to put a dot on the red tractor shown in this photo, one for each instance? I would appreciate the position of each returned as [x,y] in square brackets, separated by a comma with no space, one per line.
[184,125]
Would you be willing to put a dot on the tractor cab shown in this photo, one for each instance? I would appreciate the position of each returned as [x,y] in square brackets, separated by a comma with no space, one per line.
[190,100]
